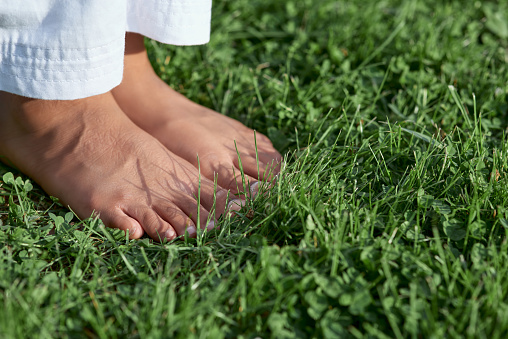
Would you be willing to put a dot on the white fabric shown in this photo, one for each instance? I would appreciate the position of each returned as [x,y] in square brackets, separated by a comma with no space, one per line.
[72,49]
[176,22]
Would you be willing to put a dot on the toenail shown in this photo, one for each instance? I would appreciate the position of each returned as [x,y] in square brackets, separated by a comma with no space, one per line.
[211,225]
[192,230]
[133,233]
[235,205]
[170,234]
[254,188]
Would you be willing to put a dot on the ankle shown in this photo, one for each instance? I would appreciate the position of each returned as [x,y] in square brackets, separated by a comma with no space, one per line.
[34,116]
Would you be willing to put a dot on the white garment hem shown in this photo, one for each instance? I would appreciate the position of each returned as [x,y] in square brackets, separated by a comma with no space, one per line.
[174,22]
[64,90]
[198,39]
[59,73]
[65,50]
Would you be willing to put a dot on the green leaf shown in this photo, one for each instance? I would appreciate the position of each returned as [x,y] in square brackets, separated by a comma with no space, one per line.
[361,300]
[8,178]
[480,255]
[503,222]
[334,325]
[277,322]
[345,299]
[441,207]
[69,216]
[256,240]
[497,21]
[19,182]
[310,223]
[454,229]
[58,220]
[27,187]
[330,286]
[423,137]
[318,303]
[425,201]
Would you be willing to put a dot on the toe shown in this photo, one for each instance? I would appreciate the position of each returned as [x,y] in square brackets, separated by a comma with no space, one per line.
[229,177]
[262,168]
[269,167]
[118,219]
[235,206]
[157,227]
[251,166]
[254,189]
[262,139]
[193,211]
[236,181]
[213,195]
[180,219]
[269,157]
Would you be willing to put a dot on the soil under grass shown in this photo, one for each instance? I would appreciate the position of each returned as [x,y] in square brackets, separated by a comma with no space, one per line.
[390,218]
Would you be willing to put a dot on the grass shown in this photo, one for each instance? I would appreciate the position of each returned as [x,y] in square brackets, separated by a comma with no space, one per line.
[390,218]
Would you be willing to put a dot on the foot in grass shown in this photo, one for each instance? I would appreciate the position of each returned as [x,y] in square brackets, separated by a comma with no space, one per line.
[190,130]
[90,155]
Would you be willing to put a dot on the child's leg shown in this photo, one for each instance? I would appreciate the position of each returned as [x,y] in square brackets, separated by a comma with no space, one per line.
[188,129]
[90,155]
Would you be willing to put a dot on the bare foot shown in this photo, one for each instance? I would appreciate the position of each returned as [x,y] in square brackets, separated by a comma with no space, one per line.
[188,129]
[91,156]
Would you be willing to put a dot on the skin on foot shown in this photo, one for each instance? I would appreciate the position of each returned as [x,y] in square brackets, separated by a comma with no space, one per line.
[190,130]
[93,158]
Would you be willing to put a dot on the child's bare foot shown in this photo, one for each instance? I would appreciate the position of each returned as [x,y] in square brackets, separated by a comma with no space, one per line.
[90,155]
[188,129]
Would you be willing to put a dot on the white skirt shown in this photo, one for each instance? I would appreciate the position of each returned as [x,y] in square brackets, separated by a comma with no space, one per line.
[72,49]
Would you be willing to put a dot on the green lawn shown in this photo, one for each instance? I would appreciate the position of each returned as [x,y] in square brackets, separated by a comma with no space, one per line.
[389,220]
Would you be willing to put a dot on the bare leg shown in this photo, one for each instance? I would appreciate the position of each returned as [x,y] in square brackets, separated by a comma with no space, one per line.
[188,129]
[90,155]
